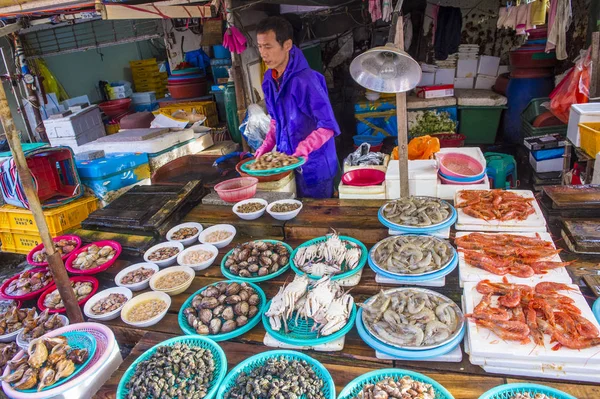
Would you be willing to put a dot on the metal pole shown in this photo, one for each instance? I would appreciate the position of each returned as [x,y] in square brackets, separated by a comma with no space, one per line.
[55,262]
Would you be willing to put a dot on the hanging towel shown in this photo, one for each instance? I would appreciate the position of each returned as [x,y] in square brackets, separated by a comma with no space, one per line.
[447,32]
[551,18]
[511,18]
[521,19]
[434,15]
[502,14]
[558,35]
[538,12]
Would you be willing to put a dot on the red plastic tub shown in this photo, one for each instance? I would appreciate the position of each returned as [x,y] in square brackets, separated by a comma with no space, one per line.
[25,297]
[460,165]
[363,177]
[115,107]
[69,263]
[187,90]
[237,189]
[95,285]
[55,239]
[450,139]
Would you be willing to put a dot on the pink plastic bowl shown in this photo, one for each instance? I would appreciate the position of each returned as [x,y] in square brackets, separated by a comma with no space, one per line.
[363,177]
[448,181]
[55,239]
[460,165]
[238,189]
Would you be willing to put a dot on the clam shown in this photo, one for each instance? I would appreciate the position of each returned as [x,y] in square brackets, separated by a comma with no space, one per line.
[105,251]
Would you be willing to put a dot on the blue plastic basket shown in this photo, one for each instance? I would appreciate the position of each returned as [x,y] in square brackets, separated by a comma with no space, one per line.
[471,179]
[506,391]
[418,230]
[256,278]
[269,172]
[300,330]
[596,309]
[247,365]
[361,263]
[188,330]
[356,385]
[416,279]
[191,340]
[405,354]
[76,340]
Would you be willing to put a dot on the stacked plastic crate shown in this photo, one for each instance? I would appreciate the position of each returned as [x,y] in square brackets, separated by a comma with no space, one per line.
[147,77]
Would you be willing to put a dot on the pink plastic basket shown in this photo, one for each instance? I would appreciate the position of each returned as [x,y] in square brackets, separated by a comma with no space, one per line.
[238,189]
[446,181]
[81,302]
[69,263]
[105,342]
[460,165]
[55,239]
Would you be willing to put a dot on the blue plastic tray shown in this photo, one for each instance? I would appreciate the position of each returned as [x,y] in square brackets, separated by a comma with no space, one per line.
[422,230]
[403,353]
[357,384]
[596,309]
[300,330]
[192,340]
[361,263]
[269,172]
[506,391]
[416,279]
[76,340]
[256,278]
[247,365]
[188,330]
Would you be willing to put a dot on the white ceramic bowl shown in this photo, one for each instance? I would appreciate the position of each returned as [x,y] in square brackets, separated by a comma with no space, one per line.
[217,227]
[13,335]
[23,342]
[166,262]
[284,215]
[87,309]
[202,265]
[251,215]
[187,241]
[137,286]
[177,289]
[141,298]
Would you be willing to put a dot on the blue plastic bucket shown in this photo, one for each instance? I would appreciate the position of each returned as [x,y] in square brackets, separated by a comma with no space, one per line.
[221,52]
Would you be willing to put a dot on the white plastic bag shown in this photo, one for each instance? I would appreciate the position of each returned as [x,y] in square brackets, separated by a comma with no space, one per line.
[255,126]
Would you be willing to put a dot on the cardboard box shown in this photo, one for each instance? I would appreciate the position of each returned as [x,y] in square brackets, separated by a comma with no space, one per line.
[435,91]
[466,68]
[445,76]
[427,79]
[464,83]
[488,65]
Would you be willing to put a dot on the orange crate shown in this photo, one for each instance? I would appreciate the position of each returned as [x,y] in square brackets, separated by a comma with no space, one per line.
[590,137]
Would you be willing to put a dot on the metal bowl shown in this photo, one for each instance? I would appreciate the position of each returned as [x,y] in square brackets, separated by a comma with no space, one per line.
[429,227]
[459,314]
[385,240]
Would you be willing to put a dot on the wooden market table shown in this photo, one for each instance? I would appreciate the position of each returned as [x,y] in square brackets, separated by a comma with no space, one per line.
[354,218]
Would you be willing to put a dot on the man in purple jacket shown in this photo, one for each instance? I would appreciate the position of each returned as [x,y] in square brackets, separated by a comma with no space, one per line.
[302,120]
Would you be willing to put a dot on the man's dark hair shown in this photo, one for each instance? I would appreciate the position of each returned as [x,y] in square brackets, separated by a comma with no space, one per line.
[282,28]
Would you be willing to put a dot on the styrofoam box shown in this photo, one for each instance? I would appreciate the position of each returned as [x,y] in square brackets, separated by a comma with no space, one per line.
[75,124]
[488,65]
[445,76]
[485,82]
[547,165]
[580,113]
[427,79]
[75,143]
[464,83]
[422,178]
[466,68]
[364,192]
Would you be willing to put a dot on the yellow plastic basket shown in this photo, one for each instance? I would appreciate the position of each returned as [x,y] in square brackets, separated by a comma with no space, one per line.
[20,242]
[142,63]
[590,137]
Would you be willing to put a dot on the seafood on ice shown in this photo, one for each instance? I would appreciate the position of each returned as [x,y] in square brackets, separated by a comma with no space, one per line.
[47,361]
[523,313]
[329,257]
[411,317]
[497,204]
[417,211]
[323,301]
[412,254]
[397,388]
[513,254]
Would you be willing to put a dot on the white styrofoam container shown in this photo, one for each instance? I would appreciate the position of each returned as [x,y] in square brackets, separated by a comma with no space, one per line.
[143,97]
[488,65]
[580,113]
[485,82]
[547,165]
[366,192]
[422,178]
[427,79]
[466,68]
[75,124]
[464,83]
[445,76]
[503,69]
[75,143]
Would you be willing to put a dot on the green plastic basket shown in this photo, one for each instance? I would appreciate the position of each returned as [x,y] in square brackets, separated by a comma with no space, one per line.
[247,365]
[361,263]
[532,111]
[188,330]
[356,385]
[269,172]
[76,340]
[508,390]
[300,330]
[256,278]
[192,340]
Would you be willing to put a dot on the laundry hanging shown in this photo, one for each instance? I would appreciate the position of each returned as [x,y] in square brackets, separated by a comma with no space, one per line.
[557,37]
[447,32]
[538,12]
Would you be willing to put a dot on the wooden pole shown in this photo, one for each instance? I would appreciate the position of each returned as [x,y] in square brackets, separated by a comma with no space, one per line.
[401,117]
[55,262]
[595,77]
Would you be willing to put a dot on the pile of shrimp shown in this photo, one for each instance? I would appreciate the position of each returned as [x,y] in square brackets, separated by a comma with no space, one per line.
[512,254]
[526,313]
[495,205]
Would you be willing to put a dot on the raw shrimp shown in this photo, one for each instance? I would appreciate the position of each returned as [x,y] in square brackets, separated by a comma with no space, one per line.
[549,287]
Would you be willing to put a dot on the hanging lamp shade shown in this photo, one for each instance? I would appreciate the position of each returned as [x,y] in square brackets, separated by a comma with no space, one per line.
[386,69]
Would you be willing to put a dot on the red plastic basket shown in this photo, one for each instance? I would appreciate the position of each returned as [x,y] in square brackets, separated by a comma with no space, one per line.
[55,239]
[450,139]
[53,173]
[69,263]
[31,295]
[95,285]
[238,189]
[115,107]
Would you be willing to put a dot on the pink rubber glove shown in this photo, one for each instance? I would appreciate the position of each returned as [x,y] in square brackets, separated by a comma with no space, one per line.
[268,142]
[313,142]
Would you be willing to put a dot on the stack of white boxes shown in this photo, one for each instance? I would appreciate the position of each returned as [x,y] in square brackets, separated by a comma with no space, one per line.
[446,70]
[487,72]
[76,129]
[468,59]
